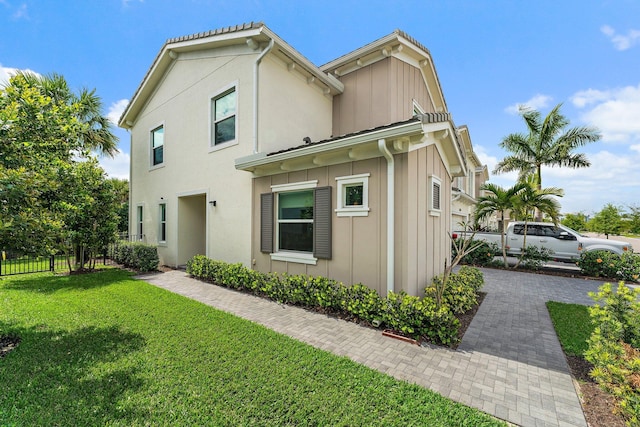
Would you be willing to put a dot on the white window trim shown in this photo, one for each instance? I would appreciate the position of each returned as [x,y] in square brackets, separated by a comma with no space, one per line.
[434,180]
[341,183]
[292,256]
[139,221]
[164,146]
[217,94]
[162,242]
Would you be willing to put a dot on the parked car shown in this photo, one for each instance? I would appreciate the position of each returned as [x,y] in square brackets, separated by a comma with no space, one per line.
[567,244]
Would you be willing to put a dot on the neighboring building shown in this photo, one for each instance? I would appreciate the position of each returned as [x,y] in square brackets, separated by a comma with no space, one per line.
[244,151]
[466,189]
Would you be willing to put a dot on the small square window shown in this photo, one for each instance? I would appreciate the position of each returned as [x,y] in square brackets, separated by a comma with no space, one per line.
[157,146]
[224,117]
[353,195]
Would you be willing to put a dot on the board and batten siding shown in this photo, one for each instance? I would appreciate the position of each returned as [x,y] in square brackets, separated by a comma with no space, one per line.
[359,244]
[379,94]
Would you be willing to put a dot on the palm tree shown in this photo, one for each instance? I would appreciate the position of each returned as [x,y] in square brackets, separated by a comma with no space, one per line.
[543,201]
[98,133]
[498,200]
[547,143]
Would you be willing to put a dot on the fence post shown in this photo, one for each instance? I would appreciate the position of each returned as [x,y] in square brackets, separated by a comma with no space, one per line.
[52,260]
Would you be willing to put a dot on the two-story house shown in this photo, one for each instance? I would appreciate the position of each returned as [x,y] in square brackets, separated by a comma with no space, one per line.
[245,151]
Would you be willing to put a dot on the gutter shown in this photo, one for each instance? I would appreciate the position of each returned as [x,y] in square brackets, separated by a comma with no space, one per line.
[256,81]
[382,146]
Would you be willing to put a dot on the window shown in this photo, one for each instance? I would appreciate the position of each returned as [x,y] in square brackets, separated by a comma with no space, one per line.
[223,110]
[162,221]
[300,230]
[435,196]
[353,195]
[157,146]
[295,221]
[140,221]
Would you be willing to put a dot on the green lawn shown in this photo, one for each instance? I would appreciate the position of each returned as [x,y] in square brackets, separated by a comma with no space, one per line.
[105,349]
[573,326]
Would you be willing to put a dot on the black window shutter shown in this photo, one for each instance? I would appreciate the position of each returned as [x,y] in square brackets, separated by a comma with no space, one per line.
[322,223]
[266,222]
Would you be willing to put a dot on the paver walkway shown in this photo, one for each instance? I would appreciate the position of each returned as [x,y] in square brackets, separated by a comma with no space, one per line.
[509,364]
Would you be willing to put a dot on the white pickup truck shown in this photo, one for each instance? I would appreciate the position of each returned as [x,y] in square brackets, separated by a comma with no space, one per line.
[566,244]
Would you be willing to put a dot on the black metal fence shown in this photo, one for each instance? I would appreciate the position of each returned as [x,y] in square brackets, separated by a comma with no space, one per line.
[12,263]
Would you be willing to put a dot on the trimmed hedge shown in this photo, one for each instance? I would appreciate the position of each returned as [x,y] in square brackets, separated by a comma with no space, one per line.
[415,317]
[609,265]
[137,255]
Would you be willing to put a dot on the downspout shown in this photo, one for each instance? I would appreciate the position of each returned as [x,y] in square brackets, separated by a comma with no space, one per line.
[255,94]
[382,146]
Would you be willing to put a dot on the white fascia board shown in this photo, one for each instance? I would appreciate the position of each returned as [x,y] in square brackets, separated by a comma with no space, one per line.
[364,50]
[248,162]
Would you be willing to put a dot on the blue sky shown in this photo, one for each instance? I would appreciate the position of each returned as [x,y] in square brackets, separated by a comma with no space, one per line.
[491,56]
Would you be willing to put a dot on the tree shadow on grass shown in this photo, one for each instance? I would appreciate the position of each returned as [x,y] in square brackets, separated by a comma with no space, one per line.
[48,283]
[79,377]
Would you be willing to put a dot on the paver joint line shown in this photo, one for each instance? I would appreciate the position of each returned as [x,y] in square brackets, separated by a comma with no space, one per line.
[509,363]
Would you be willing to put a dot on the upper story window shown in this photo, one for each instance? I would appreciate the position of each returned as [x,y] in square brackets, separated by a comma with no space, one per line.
[223,111]
[157,146]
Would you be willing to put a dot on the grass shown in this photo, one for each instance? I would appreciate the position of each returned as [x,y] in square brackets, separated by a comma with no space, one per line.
[106,349]
[573,326]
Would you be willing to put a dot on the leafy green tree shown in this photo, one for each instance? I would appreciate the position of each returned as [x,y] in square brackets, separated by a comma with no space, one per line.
[547,143]
[576,222]
[633,219]
[498,200]
[90,214]
[121,189]
[97,132]
[607,221]
[43,133]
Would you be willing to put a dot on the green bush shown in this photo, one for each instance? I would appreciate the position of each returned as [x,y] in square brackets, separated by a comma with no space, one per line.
[461,290]
[413,316]
[482,256]
[137,255]
[614,346]
[613,266]
[534,257]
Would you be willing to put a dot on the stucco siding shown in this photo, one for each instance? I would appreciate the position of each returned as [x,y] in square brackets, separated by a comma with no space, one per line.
[378,94]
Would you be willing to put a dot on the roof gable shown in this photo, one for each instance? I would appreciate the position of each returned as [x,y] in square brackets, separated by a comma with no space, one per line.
[254,36]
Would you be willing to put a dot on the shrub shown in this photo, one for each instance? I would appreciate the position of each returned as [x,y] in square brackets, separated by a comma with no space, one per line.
[137,255]
[534,257]
[482,256]
[410,315]
[614,346]
[607,264]
[460,293]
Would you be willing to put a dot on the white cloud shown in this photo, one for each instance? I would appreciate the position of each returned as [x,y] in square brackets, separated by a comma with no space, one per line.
[621,42]
[611,178]
[615,112]
[7,72]
[116,109]
[21,12]
[537,102]
[116,167]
